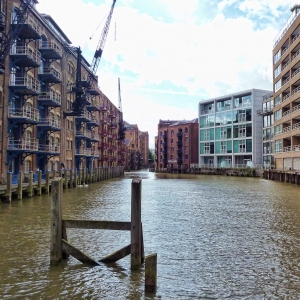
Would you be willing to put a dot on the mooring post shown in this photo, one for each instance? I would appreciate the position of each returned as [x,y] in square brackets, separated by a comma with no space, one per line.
[75,178]
[136,228]
[20,181]
[9,187]
[66,174]
[30,184]
[56,221]
[71,178]
[151,273]
[79,179]
[47,185]
[39,187]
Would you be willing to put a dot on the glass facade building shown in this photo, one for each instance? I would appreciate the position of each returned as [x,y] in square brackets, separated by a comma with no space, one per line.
[230,131]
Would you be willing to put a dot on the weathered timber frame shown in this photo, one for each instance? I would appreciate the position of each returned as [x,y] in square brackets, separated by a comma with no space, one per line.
[61,249]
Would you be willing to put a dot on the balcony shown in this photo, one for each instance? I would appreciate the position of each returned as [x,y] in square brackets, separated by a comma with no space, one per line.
[50,50]
[50,149]
[27,115]
[179,135]
[179,152]
[50,75]
[52,124]
[25,85]
[84,117]
[93,121]
[296,148]
[92,104]
[95,153]
[286,113]
[50,98]
[26,145]
[179,143]
[29,30]
[296,90]
[25,56]
[83,152]
[95,137]
[287,149]
[83,134]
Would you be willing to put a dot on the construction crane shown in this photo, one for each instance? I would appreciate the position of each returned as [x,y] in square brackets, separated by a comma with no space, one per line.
[121,124]
[80,90]
[9,38]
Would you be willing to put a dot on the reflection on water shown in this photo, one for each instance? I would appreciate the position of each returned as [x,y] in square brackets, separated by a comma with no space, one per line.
[216,237]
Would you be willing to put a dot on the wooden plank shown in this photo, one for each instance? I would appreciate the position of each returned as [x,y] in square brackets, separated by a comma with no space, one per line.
[86,224]
[117,255]
[82,257]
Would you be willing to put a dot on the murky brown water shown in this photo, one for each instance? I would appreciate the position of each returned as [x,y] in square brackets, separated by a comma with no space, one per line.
[216,237]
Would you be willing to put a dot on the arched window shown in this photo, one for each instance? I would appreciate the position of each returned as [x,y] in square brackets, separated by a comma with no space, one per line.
[186,130]
[172,132]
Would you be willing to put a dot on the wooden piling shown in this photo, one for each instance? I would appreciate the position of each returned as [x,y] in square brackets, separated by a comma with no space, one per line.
[56,221]
[75,178]
[80,178]
[47,184]
[136,195]
[71,178]
[39,187]
[151,273]
[66,177]
[9,187]
[30,185]
[20,181]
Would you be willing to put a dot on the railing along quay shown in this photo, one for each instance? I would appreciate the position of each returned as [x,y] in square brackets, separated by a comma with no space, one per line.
[38,183]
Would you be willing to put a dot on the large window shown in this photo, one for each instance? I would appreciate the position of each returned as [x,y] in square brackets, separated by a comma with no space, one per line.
[224,105]
[276,57]
[277,85]
[277,71]
[278,146]
[277,115]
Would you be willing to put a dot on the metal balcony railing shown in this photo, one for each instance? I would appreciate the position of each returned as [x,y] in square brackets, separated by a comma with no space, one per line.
[26,50]
[24,112]
[23,144]
[28,81]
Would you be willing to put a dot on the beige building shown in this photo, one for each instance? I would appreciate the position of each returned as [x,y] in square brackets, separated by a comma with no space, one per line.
[137,144]
[286,79]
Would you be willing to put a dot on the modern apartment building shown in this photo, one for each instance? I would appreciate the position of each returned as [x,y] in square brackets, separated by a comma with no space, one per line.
[177,144]
[137,147]
[230,131]
[266,112]
[286,80]
[37,82]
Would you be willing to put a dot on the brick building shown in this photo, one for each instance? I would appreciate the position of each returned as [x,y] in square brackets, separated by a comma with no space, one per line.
[177,144]
[37,95]
[137,147]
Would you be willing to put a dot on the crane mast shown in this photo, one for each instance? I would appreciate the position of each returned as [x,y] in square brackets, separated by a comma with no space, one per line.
[121,124]
[100,47]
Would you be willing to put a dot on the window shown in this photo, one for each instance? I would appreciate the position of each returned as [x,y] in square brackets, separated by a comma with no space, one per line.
[172,141]
[276,57]
[172,132]
[277,71]
[242,131]
[277,100]
[71,68]
[206,134]
[242,146]
[223,147]
[278,146]
[277,85]
[172,149]
[186,156]
[206,148]
[223,133]
[132,145]
[277,115]
[186,139]
[186,130]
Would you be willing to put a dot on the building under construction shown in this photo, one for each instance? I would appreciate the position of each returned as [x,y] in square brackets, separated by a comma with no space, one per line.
[53,113]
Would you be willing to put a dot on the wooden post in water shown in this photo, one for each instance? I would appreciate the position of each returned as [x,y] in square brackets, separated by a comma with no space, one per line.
[79,179]
[20,181]
[39,187]
[75,178]
[150,273]
[71,178]
[66,177]
[56,221]
[30,184]
[9,187]
[47,185]
[136,228]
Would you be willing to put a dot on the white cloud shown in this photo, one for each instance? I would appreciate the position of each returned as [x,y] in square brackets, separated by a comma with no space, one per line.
[218,57]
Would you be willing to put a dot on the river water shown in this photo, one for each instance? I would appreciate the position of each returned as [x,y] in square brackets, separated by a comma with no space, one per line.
[216,237]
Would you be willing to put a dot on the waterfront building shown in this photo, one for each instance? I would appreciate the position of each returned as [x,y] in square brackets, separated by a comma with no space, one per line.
[37,81]
[230,131]
[286,84]
[137,147]
[266,112]
[176,145]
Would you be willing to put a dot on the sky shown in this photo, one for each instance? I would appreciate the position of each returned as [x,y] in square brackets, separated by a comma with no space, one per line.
[171,54]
